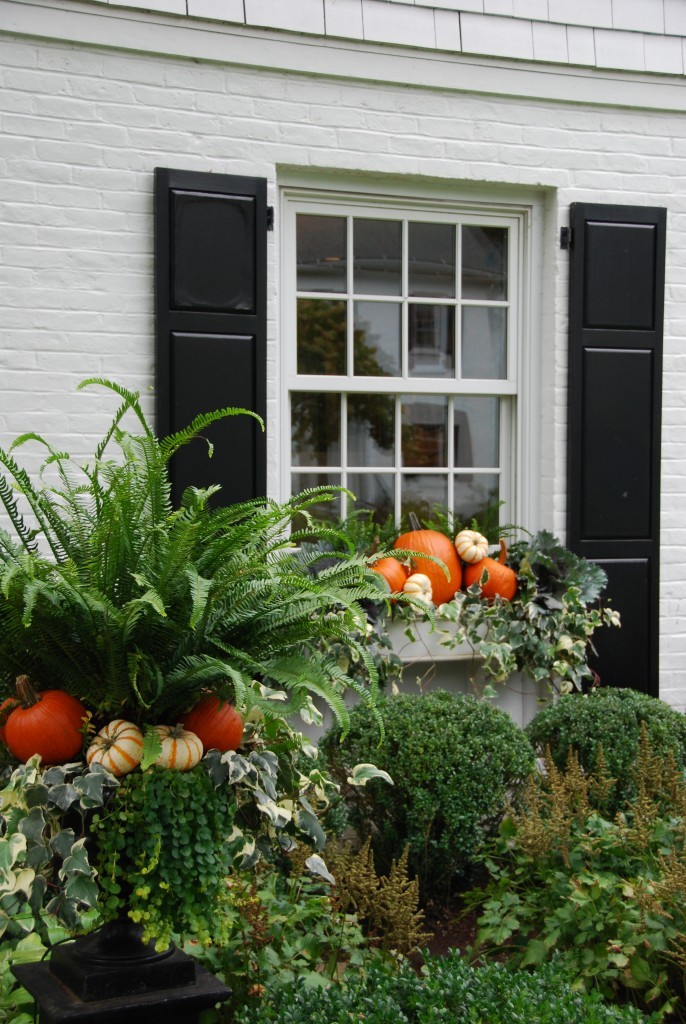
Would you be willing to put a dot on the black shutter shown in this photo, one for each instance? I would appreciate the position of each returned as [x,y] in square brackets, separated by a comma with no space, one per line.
[615,383]
[210,278]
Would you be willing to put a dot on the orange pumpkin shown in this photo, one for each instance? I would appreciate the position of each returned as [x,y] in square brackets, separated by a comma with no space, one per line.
[216,723]
[431,542]
[48,723]
[181,749]
[118,747]
[393,571]
[502,580]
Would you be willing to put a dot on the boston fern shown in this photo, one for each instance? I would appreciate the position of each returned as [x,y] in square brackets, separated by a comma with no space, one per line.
[133,606]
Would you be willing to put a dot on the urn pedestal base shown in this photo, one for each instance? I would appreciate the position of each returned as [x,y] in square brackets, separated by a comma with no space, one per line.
[111,976]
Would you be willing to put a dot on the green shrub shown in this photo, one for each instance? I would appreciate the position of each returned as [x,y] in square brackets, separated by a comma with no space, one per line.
[453,760]
[607,895]
[448,990]
[610,718]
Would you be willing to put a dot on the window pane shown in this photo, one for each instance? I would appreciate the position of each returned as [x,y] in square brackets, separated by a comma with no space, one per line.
[424,429]
[419,494]
[315,429]
[374,491]
[431,251]
[431,341]
[321,253]
[474,493]
[484,349]
[377,259]
[484,263]
[476,431]
[371,430]
[321,510]
[321,336]
[377,339]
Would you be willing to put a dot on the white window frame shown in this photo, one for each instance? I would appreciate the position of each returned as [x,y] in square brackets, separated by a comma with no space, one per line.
[519,427]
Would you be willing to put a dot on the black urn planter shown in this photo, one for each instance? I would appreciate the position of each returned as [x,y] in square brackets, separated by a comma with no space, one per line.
[110,975]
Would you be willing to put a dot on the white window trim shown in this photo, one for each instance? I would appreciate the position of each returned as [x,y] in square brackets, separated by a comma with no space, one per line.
[483,206]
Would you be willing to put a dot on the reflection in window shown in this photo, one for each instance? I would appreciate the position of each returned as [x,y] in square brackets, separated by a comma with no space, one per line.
[424,430]
[377,339]
[476,431]
[321,253]
[484,263]
[321,336]
[431,340]
[475,493]
[374,491]
[315,429]
[484,342]
[371,430]
[432,260]
[421,492]
[377,263]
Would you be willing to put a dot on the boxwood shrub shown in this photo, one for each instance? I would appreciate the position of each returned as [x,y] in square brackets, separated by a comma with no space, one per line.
[453,760]
[610,718]
[448,990]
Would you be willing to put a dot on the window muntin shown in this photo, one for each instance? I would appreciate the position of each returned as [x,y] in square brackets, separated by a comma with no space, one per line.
[405,340]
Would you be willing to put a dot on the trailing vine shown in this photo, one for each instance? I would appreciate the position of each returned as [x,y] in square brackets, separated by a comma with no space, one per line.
[163,853]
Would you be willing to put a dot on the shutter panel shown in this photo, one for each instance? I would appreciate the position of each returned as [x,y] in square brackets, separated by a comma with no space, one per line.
[613,457]
[210,279]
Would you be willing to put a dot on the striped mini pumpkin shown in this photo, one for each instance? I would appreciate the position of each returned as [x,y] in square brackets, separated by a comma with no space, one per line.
[181,749]
[118,747]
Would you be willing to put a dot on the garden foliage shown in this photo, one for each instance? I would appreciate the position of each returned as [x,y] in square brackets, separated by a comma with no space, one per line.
[453,760]
[448,990]
[608,719]
[607,893]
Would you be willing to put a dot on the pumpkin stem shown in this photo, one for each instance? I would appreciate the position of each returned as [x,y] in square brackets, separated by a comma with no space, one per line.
[502,557]
[413,521]
[26,691]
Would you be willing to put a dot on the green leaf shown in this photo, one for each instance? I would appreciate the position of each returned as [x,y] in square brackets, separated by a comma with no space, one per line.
[536,952]
[362,773]
[152,747]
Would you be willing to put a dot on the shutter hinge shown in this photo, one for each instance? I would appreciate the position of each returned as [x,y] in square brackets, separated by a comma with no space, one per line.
[270,218]
[566,238]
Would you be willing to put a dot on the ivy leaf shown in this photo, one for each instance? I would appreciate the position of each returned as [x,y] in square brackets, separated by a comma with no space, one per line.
[362,773]
[32,825]
[316,865]
[64,795]
[152,747]
[62,843]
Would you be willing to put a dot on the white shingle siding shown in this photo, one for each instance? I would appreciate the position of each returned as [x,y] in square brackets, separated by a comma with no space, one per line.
[83,127]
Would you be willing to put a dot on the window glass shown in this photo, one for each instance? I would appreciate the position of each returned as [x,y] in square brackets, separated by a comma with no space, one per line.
[371,430]
[424,430]
[321,254]
[422,492]
[321,336]
[484,263]
[377,339]
[431,259]
[431,340]
[474,493]
[476,431]
[375,491]
[484,342]
[377,261]
[315,430]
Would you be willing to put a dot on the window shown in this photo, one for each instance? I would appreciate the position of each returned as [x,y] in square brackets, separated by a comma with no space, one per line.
[403,327]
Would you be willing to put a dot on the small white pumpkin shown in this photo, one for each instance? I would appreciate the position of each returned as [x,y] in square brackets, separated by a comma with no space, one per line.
[181,749]
[418,585]
[471,546]
[118,747]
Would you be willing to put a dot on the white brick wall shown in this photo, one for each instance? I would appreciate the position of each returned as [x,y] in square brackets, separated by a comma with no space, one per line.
[83,127]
